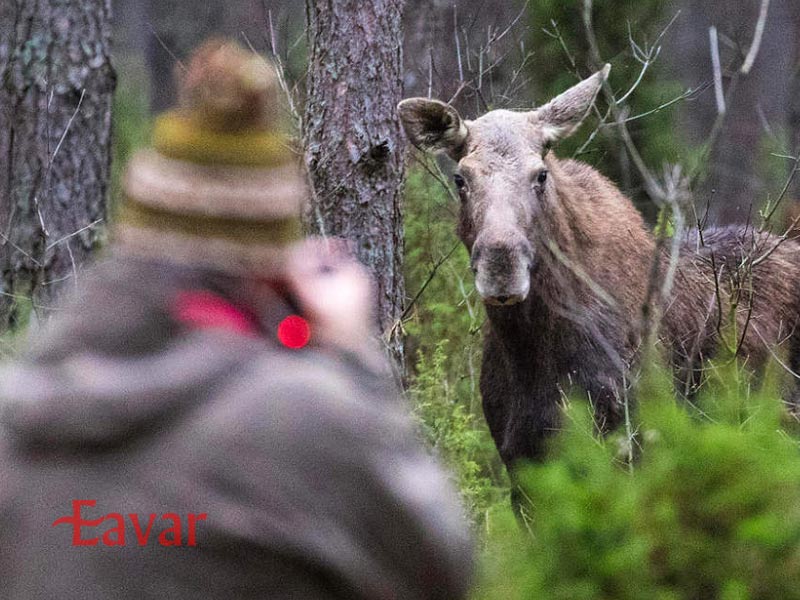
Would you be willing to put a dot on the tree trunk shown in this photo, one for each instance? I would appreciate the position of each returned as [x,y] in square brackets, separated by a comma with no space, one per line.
[354,150]
[55,131]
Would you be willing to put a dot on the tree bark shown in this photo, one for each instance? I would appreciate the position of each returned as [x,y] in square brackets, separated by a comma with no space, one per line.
[55,131]
[354,150]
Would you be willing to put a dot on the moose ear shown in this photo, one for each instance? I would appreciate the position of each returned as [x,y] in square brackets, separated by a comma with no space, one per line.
[563,114]
[433,126]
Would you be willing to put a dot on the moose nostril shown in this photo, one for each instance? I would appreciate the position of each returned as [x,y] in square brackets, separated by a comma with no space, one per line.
[502,299]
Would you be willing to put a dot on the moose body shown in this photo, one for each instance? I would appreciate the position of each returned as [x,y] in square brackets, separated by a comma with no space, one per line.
[562,260]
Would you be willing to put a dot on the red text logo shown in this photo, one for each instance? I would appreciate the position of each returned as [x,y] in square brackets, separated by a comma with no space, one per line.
[115,536]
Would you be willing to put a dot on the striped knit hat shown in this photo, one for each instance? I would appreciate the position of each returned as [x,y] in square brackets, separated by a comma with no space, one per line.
[221,187]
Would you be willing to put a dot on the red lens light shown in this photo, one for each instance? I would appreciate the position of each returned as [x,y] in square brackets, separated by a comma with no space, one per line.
[294,332]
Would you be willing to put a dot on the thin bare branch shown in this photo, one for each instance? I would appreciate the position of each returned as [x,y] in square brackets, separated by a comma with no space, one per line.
[68,127]
[458,44]
[719,93]
[757,36]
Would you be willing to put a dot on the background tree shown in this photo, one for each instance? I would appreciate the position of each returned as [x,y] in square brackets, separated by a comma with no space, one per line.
[353,145]
[55,125]
[740,172]
[466,51]
[160,34]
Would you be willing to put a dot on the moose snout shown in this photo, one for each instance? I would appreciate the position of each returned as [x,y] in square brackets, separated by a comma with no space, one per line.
[502,272]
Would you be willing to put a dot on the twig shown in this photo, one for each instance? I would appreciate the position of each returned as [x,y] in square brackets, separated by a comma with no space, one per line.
[582,275]
[428,281]
[8,241]
[514,21]
[437,175]
[556,34]
[177,60]
[280,71]
[718,91]
[768,346]
[759,33]
[430,74]
[458,43]
[646,57]
[688,93]
[785,188]
[74,233]
[783,237]
[652,186]
[69,126]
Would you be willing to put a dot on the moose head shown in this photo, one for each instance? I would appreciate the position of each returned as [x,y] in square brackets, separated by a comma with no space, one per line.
[503,179]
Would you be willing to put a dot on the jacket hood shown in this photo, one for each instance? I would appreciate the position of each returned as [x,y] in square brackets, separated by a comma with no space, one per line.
[91,399]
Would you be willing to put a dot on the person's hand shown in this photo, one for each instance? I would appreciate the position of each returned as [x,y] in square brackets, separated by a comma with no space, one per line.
[334,290]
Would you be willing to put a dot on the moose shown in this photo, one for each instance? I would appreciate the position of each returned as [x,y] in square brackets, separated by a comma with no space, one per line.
[562,261]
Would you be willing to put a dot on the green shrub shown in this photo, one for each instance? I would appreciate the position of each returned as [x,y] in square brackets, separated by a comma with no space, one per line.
[437,264]
[710,510]
[455,433]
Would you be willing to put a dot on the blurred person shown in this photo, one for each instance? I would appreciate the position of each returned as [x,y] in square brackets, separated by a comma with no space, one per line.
[209,419]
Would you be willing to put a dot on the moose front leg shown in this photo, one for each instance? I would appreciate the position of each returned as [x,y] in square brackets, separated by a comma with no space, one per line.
[534,419]
[521,420]
[521,410]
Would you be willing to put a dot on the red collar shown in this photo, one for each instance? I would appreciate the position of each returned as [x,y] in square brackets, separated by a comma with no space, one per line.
[201,309]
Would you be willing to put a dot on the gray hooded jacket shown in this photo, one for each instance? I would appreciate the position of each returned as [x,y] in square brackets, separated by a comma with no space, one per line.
[302,470]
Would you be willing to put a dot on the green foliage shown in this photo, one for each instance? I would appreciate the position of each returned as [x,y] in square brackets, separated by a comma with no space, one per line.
[448,307]
[131,122]
[454,432]
[710,510]
[443,336]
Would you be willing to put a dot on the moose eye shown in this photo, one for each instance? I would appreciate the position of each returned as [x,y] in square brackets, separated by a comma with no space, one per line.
[459,181]
[542,177]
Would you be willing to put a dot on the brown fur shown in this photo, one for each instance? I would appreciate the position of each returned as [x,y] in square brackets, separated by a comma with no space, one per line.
[564,264]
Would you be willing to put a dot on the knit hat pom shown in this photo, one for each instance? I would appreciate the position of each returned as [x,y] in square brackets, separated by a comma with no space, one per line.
[226,88]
